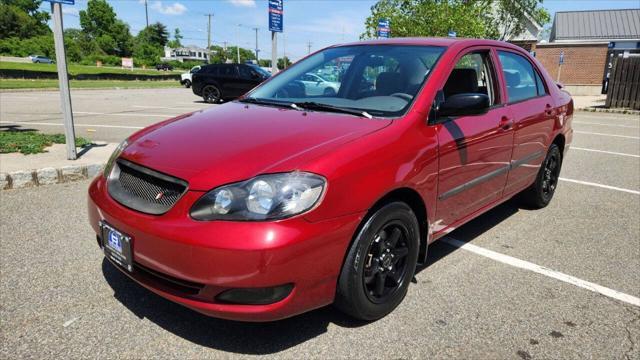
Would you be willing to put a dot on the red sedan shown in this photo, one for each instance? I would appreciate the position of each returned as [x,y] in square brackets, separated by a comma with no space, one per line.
[288,200]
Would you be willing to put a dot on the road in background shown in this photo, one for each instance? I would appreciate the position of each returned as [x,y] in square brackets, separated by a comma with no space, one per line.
[61,298]
[104,115]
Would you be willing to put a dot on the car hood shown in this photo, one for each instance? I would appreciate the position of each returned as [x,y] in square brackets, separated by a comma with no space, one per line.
[235,141]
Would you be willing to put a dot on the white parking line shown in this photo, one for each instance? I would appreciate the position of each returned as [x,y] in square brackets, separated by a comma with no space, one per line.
[522,264]
[612,135]
[599,124]
[605,152]
[635,192]
[83,125]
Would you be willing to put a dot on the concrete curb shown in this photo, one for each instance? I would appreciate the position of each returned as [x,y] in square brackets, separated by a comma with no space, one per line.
[47,176]
[611,111]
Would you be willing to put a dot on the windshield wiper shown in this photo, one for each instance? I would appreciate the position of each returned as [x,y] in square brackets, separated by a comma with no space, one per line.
[312,105]
[259,101]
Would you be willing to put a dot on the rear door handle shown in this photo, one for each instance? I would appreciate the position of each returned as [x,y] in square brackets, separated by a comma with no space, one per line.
[506,123]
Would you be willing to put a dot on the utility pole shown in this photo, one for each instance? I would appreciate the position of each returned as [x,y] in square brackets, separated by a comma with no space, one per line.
[209,32]
[256,30]
[146,12]
[238,42]
[284,51]
[308,47]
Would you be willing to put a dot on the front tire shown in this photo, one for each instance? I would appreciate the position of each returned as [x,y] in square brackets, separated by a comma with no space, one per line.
[380,264]
[540,193]
[187,84]
[211,94]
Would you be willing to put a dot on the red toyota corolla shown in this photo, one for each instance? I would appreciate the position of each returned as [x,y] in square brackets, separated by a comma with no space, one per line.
[293,197]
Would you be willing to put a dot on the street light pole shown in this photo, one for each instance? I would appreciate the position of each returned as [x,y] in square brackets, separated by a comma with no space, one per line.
[256,30]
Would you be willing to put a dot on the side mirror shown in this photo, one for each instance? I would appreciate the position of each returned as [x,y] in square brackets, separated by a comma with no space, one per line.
[464,104]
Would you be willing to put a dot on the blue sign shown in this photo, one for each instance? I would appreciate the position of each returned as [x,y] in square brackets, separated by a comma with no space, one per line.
[66,2]
[561,57]
[452,33]
[384,28]
[276,13]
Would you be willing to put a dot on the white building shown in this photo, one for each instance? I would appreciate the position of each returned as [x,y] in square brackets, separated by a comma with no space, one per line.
[188,53]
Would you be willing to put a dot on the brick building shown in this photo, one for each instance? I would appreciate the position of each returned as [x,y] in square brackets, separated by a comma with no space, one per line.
[588,40]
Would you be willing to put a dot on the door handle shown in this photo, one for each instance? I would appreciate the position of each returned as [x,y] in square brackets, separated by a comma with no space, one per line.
[506,123]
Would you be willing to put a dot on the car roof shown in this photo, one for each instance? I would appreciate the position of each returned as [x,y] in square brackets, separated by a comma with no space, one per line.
[432,41]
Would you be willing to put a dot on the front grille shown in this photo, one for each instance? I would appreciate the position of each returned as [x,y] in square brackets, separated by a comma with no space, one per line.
[175,285]
[143,189]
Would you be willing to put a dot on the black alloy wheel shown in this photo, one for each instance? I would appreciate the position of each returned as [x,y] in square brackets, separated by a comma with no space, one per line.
[385,262]
[211,94]
[380,263]
[540,193]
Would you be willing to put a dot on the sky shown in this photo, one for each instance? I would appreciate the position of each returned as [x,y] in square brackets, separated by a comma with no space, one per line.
[318,23]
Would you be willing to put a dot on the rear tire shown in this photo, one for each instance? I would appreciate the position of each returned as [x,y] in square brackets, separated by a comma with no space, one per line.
[540,193]
[380,263]
[187,84]
[211,94]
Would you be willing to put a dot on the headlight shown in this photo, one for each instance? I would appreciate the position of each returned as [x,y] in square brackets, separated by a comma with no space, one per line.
[266,197]
[109,166]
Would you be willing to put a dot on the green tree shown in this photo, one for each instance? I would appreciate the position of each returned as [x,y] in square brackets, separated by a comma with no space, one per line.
[22,19]
[283,63]
[491,19]
[99,23]
[431,18]
[177,39]
[154,34]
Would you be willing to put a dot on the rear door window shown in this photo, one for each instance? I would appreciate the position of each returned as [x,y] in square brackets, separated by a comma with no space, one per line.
[520,77]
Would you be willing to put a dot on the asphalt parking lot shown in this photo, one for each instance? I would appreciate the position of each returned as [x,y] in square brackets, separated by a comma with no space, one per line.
[562,282]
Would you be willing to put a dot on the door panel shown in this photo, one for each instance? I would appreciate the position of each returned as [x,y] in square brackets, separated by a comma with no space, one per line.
[474,162]
[474,151]
[533,114]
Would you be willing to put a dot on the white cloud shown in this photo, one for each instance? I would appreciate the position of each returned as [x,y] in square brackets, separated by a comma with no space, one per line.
[174,9]
[70,10]
[243,3]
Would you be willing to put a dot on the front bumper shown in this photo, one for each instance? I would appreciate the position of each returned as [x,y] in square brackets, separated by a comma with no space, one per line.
[191,262]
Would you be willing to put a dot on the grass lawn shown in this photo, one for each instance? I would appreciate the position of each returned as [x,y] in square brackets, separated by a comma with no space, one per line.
[81,69]
[31,141]
[6,84]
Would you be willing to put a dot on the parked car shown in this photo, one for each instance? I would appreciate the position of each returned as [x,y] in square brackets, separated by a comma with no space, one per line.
[284,201]
[317,85]
[185,79]
[164,66]
[41,59]
[218,82]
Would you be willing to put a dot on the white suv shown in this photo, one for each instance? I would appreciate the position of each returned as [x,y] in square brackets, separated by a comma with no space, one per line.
[185,79]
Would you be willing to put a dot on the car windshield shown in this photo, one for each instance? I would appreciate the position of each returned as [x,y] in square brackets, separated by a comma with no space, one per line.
[381,80]
[260,70]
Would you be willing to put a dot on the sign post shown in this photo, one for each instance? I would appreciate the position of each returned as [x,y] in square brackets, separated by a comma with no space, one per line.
[276,13]
[384,28]
[63,77]
[560,63]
